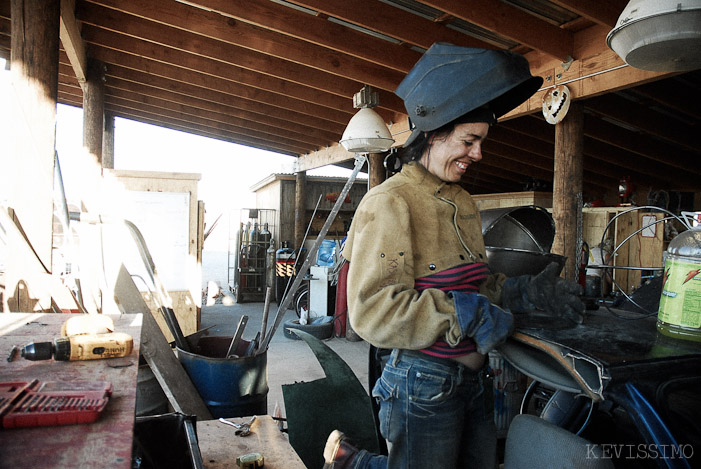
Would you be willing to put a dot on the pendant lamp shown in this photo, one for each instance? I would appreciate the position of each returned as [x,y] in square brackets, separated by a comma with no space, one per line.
[659,35]
[366,132]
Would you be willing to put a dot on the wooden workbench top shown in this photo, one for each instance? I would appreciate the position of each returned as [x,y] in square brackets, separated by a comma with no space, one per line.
[220,446]
[106,443]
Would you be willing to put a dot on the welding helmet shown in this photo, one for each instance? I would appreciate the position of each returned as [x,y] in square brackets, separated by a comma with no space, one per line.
[450,81]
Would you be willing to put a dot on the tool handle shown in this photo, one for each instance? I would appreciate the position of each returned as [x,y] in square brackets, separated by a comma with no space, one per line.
[237,336]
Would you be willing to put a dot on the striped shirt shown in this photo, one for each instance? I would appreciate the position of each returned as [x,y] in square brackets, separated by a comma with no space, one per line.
[464,278]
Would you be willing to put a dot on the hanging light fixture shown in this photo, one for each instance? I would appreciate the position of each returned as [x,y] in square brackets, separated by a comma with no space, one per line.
[659,35]
[366,132]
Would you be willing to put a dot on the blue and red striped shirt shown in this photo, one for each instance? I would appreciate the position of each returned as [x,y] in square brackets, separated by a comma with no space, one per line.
[463,278]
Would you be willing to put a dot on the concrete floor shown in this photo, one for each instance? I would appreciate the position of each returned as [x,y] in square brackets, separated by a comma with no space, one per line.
[289,361]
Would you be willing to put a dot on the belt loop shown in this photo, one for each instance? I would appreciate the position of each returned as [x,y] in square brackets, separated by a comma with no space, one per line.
[395,356]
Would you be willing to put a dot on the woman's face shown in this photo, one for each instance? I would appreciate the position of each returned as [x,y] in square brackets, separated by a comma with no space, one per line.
[449,156]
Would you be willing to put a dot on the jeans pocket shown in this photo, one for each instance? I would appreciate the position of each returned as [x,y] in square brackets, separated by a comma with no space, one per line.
[384,394]
[429,391]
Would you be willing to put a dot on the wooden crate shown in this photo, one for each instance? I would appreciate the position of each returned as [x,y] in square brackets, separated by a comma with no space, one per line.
[643,249]
[513,199]
[184,282]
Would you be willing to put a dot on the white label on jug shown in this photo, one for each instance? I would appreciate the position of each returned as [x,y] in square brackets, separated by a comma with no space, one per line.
[680,303]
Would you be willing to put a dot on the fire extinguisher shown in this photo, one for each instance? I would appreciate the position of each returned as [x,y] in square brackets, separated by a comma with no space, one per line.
[583,263]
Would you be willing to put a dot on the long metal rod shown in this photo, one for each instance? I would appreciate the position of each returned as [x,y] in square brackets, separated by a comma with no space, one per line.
[304,239]
[359,162]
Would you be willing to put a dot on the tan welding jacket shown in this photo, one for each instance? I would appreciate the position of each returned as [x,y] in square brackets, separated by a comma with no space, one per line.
[411,226]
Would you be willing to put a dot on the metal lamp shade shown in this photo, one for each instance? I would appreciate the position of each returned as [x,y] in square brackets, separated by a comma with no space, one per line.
[366,133]
[659,35]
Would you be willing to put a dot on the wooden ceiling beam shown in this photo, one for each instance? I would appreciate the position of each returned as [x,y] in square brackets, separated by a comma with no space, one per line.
[130,106]
[188,126]
[189,43]
[643,168]
[169,108]
[139,91]
[316,30]
[393,22]
[676,94]
[208,133]
[640,144]
[653,123]
[147,69]
[130,52]
[69,34]
[605,13]
[513,23]
[288,140]
[177,92]
[187,22]
[190,91]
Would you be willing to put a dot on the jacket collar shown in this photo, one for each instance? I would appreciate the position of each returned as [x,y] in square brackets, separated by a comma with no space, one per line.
[420,178]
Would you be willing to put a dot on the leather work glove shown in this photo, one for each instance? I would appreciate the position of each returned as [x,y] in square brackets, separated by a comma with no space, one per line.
[488,325]
[547,292]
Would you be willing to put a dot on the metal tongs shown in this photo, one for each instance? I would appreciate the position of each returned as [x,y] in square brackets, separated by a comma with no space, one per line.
[242,429]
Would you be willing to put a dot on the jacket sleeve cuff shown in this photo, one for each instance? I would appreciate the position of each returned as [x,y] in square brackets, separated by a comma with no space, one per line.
[486,324]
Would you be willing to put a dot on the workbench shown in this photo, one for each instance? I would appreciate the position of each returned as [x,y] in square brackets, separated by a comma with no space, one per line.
[220,446]
[105,443]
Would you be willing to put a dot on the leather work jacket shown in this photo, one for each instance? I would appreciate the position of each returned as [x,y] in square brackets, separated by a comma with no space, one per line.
[411,226]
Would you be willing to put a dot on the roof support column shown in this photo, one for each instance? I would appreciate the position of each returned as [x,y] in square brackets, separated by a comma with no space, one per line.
[567,188]
[94,110]
[376,170]
[108,142]
[30,170]
[300,210]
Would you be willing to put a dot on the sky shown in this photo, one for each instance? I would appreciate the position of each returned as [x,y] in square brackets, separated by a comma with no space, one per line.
[227,170]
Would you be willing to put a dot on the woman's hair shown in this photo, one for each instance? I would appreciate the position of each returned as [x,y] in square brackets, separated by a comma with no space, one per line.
[416,149]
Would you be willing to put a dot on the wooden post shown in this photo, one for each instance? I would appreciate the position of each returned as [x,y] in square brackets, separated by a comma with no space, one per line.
[108,142]
[30,164]
[300,209]
[376,170]
[94,110]
[567,189]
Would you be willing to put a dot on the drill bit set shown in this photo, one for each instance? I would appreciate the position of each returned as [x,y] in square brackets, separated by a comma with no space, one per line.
[48,403]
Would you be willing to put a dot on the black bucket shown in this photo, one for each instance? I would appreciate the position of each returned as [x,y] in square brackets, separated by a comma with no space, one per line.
[229,387]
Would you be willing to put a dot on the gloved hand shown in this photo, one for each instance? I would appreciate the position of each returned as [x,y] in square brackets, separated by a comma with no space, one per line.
[547,292]
[488,325]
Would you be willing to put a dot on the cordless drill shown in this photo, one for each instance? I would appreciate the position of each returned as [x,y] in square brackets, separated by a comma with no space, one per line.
[81,347]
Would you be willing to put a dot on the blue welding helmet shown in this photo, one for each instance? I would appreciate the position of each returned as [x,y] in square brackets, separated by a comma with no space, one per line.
[450,81]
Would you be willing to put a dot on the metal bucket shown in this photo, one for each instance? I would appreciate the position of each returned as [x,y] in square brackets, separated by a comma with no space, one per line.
[229,387]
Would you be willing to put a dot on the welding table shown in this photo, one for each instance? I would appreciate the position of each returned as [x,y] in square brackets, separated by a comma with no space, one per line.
[610,347]
[106,443]
[617,356]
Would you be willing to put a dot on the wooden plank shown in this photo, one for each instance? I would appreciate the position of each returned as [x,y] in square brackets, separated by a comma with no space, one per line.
[220,447]
[72,42]
[513,199]
[174,381]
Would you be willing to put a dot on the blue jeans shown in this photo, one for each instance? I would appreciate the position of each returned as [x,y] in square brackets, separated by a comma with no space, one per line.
[434,412]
